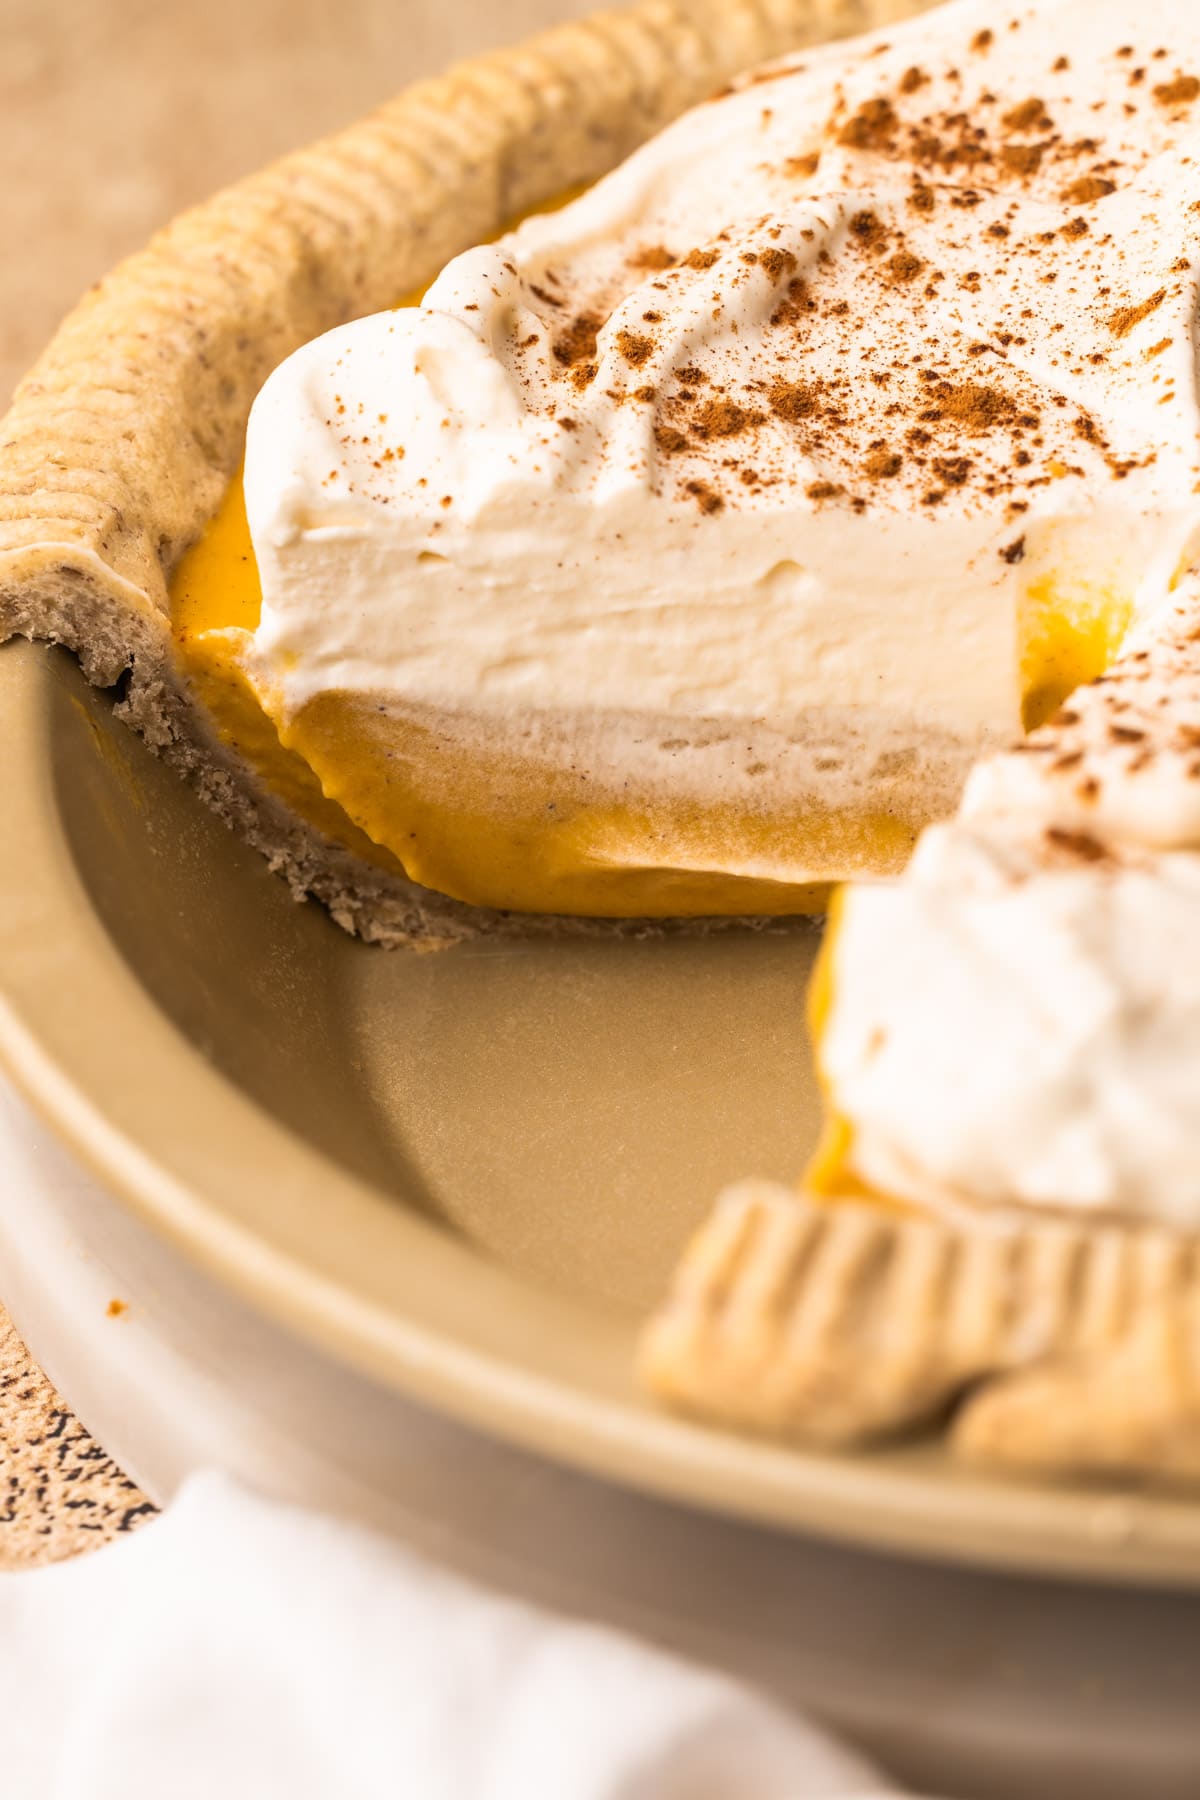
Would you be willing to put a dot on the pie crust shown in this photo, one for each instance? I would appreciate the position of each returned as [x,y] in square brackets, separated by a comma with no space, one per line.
[1051,1346]
[123,438]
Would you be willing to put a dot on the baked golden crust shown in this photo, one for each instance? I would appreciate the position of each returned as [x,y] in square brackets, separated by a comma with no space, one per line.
[1050,1345]
[122,439]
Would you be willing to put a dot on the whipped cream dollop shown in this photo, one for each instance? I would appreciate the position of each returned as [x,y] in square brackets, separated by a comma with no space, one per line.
[782,424]
[1017,1023]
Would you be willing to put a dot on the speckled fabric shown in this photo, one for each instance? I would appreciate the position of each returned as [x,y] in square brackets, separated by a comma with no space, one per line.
[61,1492]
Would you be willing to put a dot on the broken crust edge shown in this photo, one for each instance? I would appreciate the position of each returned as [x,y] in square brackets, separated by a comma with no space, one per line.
[1048,1346]
[122,439]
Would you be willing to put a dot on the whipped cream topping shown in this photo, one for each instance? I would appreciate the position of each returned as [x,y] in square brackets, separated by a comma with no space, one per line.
[1018,1023]
[781,422]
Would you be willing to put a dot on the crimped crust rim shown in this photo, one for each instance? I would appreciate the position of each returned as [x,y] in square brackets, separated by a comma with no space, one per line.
[1045,1345]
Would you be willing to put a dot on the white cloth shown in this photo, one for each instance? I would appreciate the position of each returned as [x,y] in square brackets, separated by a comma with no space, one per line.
[243,1648]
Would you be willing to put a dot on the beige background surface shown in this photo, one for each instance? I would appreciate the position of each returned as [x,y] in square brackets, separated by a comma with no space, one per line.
[115,114]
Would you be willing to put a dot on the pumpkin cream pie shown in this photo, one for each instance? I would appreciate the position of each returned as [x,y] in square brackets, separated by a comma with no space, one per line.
[811,475]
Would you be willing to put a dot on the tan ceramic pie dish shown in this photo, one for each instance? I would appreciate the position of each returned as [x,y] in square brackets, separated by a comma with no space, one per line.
[468,1173]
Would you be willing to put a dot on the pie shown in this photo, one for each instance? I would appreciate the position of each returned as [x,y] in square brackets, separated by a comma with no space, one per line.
[820,483]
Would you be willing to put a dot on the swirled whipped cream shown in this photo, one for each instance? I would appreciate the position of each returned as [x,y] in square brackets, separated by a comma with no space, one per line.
[856,412]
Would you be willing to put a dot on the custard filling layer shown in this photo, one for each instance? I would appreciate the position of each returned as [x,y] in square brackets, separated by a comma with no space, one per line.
[514,832]
[411,793]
